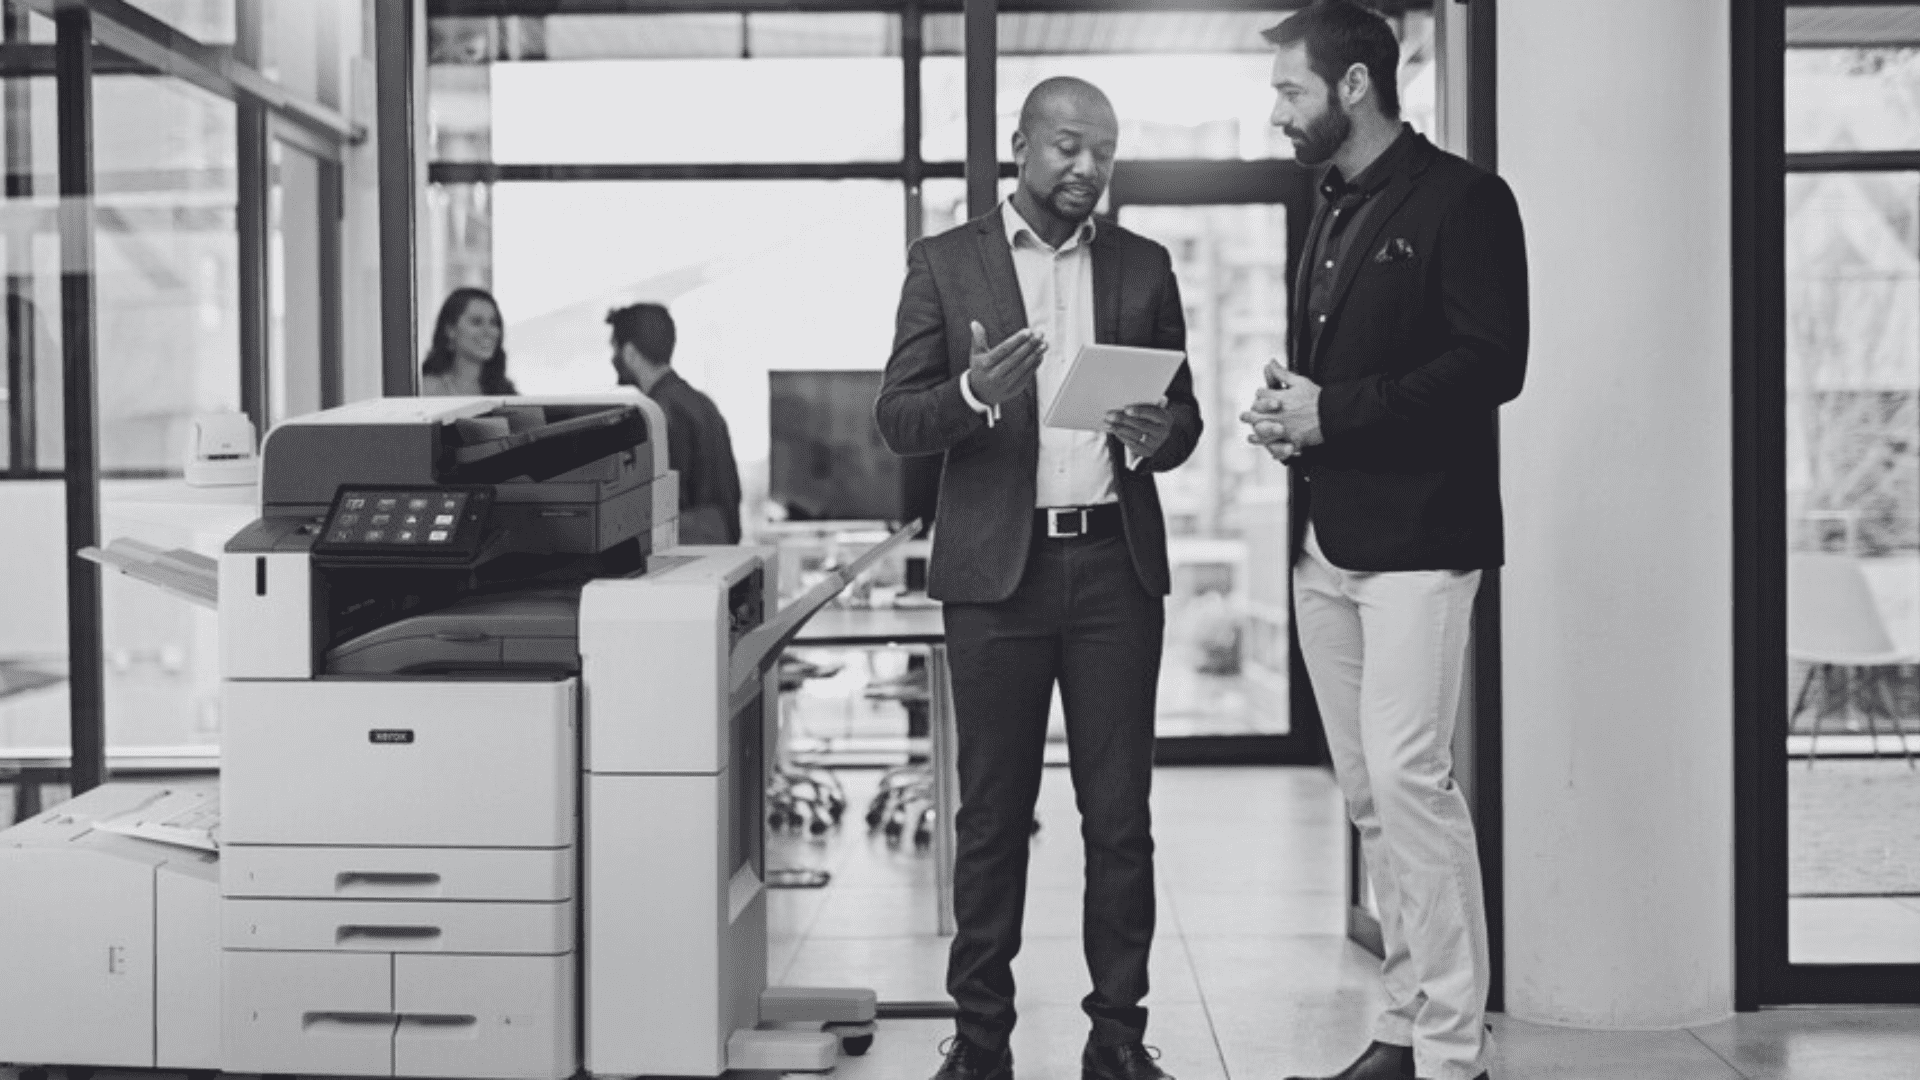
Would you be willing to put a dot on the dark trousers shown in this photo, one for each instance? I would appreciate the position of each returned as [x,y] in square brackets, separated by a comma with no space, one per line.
[1081,617]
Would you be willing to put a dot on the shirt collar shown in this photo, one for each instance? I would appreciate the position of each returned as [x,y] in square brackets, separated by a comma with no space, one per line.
[1374,176]
[1017,226]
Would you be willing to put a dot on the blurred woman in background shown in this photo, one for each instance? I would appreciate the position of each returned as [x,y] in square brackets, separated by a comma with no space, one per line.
[466,357]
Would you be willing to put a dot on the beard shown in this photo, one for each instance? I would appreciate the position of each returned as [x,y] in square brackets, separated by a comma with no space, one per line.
[1063,200]
[1324,136]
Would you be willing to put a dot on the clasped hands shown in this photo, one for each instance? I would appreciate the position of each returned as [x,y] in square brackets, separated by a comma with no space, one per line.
[1285,415]
[997,374]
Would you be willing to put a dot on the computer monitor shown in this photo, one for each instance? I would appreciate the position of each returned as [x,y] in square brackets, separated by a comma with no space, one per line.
[826,460]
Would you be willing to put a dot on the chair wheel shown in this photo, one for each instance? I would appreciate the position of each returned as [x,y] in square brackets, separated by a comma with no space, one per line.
[857,1045]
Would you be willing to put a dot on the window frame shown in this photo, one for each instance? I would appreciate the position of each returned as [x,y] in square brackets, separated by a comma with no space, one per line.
[112,37]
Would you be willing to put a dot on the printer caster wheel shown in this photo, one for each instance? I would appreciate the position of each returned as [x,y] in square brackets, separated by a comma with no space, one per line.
[856,1045]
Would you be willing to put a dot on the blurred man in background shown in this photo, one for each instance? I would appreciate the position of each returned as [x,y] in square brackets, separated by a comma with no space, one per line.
[698,445]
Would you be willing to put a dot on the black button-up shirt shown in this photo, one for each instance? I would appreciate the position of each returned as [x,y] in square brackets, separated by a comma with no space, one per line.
[1347,205]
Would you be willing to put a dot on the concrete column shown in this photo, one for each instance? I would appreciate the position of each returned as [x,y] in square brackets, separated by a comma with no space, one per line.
[1613,130]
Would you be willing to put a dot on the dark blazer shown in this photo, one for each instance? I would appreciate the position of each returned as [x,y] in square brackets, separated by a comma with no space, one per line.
[987,480]
[700,448]
[1426,337]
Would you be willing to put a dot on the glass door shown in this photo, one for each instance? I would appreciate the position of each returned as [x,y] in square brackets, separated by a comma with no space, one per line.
[1835,795]
[1231,688]
[1853,567]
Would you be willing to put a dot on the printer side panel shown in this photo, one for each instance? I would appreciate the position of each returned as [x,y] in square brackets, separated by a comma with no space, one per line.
[266,614]
[653,657]
[186,986]
[658,1001]
[76,957]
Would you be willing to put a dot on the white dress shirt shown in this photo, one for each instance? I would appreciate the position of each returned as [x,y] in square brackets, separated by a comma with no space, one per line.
[1056,285]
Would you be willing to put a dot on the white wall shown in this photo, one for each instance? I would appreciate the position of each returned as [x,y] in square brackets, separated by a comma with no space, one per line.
[1613,130]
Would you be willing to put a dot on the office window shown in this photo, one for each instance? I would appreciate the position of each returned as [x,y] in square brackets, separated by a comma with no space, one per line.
[758,274]
[295,292]
[667,89]
[31,417]
[305,45]
[1853,99]
[210,22]
[1186,85]
[1853,515]
[166,275]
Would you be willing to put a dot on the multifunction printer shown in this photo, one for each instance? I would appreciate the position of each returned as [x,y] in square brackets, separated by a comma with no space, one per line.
[490,798]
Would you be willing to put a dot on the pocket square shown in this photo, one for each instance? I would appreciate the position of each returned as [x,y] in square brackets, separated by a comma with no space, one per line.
[1395,250]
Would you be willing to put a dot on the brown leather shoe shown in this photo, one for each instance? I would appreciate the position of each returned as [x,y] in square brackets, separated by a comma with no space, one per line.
[967,1061]
[1380,1061]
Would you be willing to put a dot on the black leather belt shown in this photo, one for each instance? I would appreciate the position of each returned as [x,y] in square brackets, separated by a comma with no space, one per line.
[1078,522]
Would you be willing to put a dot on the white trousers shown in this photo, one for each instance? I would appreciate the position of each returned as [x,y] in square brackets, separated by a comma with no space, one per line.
[1386,653]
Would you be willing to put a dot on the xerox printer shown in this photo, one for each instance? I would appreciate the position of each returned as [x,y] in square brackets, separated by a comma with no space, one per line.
[493,757]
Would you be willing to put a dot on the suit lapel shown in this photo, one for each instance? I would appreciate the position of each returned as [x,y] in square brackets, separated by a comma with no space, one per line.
[1109,274]
[1375,222]
[1008,314]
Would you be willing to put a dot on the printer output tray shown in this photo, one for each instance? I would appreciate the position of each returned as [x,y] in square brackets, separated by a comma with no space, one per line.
[524,631]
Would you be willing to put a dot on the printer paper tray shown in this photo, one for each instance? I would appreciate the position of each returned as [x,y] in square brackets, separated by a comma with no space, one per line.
[360,873]
[398,926]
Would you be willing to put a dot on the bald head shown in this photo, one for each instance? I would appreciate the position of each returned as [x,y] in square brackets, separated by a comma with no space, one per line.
[1064,150]
[1064,93]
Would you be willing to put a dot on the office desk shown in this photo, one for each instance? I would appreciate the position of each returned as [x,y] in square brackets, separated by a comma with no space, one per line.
[923,627]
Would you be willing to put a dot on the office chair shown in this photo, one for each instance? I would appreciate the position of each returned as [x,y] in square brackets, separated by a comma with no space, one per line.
[1833,622]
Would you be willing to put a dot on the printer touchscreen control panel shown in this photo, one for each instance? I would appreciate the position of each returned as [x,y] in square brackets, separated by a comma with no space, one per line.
[428,523]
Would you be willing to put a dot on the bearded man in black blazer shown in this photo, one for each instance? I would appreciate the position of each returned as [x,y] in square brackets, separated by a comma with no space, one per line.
[1409,330]
[1050,556]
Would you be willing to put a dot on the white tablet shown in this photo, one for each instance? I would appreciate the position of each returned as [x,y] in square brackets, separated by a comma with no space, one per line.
[1107,377]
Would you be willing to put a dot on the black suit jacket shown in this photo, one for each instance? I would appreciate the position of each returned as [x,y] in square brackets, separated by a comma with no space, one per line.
[987,479]
[1426,337]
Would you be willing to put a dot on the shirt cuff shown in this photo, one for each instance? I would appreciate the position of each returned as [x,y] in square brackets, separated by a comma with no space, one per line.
[1134,460]
[991,412]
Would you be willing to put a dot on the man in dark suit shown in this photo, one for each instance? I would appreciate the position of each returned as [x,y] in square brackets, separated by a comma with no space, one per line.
[1409,330]
[699,446]
[1050,555]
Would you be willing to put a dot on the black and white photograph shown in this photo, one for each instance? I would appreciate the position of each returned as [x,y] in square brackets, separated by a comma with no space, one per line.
[960,539]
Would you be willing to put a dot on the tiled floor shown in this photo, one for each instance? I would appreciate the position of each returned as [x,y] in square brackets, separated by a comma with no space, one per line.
[1252,976]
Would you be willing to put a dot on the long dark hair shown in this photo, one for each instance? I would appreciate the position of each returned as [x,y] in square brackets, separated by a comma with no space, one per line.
[493,373]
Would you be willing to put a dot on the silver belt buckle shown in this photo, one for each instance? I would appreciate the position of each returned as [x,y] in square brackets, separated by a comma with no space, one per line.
[1055,517]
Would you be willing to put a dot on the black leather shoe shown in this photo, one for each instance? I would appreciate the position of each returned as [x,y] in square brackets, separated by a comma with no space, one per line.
[1381,1061]
[1482,1076]
[1127,1061]
[967,1061]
